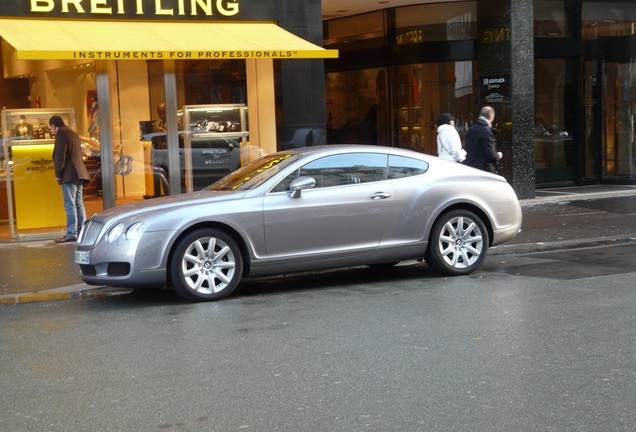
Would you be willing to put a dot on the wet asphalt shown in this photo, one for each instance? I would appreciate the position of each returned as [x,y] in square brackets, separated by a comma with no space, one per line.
[558,220]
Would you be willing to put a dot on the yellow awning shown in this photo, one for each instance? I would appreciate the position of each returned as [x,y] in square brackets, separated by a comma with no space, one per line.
[142,40]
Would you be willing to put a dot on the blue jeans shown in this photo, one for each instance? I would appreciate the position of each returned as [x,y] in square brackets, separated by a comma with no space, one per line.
[74,207]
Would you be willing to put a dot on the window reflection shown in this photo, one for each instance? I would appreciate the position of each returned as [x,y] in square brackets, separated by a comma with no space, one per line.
[551,19]
[554,121]
[608,19]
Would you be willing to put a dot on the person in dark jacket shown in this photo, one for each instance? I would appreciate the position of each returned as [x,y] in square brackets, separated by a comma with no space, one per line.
[480,144]
[70,173]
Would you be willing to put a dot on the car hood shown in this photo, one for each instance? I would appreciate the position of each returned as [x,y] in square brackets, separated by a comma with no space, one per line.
[167,203]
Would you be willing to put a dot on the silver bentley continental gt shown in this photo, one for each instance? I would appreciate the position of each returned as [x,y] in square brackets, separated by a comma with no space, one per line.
[303,209]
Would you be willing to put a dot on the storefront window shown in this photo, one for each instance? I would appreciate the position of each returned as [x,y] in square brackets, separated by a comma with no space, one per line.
[212,146]
[367,107]
[551,19]
[608,19]
[215,127]
[422,93]
[357,107]
[142,168]
[360,32]
[211,82]
[612,156]
[554,121]
[610,88]
[436,22]
[31,199]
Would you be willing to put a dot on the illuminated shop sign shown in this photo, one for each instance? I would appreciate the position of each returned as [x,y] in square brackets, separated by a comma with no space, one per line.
[156,8]
[496,35]
[410,37]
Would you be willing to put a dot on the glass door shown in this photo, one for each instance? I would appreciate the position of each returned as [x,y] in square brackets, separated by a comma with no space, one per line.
[610,92]
[610,109]
[555,122]
[617,151]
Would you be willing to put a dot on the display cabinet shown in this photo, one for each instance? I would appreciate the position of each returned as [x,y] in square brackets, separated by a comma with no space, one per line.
[215,142]
[34,199]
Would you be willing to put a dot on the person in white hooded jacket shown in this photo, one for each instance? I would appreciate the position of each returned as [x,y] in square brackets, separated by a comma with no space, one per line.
[449,145]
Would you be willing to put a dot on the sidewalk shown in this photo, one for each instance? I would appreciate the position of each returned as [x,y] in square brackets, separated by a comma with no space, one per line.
[43,270]
[581,192]
[575,218]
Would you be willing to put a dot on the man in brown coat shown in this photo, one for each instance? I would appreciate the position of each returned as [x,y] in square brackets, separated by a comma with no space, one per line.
[70,173]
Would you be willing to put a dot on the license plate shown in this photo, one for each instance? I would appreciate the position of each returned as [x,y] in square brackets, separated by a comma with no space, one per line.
[81,257]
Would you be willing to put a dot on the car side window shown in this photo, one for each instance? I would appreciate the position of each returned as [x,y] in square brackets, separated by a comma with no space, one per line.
[346,169]
[402,166]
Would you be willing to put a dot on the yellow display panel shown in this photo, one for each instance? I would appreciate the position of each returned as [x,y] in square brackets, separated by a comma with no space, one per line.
[38,197]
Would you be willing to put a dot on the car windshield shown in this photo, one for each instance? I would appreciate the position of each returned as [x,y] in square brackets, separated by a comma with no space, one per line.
[254,174]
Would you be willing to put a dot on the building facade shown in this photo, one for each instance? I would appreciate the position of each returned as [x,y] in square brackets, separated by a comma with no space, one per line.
[560,75]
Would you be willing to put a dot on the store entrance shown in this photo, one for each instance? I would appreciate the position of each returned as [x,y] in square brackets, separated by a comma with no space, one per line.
[611,109]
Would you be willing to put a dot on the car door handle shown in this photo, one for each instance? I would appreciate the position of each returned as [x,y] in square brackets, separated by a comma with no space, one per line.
[380,195]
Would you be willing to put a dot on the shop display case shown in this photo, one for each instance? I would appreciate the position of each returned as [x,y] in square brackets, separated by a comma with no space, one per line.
[33,197]
[215,138]
[213,141]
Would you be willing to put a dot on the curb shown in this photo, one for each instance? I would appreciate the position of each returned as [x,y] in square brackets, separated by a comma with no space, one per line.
[532,248]
[63,293]
[564,197]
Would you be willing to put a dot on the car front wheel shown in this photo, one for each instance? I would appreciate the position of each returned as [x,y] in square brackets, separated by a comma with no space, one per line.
[206,265]
[457,244]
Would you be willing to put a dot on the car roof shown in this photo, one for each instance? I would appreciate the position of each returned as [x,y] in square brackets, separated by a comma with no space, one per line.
[355,148]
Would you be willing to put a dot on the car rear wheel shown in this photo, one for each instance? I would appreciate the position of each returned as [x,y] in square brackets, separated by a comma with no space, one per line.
[206,265]
[458,243]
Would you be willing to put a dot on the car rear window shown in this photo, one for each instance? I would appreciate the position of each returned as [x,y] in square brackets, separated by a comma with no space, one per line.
[402,166]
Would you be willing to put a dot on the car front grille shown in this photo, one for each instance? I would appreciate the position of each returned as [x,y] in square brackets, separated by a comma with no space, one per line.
[88,270]
[113,269]
[118,269]
[90,233]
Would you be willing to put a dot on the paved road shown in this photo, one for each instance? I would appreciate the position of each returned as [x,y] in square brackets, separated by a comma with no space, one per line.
[534,341]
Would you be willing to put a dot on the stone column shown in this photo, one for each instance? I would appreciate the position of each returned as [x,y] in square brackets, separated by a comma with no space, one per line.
[303,81]
[505,47]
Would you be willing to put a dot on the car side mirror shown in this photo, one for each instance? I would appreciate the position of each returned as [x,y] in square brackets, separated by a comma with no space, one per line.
[297,185]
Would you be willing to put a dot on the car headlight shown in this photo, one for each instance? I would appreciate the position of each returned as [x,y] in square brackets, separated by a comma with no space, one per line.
[135,230]
[115,232]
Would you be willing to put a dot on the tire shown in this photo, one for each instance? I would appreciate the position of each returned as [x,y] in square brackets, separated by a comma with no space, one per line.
[457,244]
[206,265]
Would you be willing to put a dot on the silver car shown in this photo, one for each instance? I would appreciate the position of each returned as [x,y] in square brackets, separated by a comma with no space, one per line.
[303,209]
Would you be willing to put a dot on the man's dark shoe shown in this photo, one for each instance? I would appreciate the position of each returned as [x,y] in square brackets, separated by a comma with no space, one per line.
[66,239]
